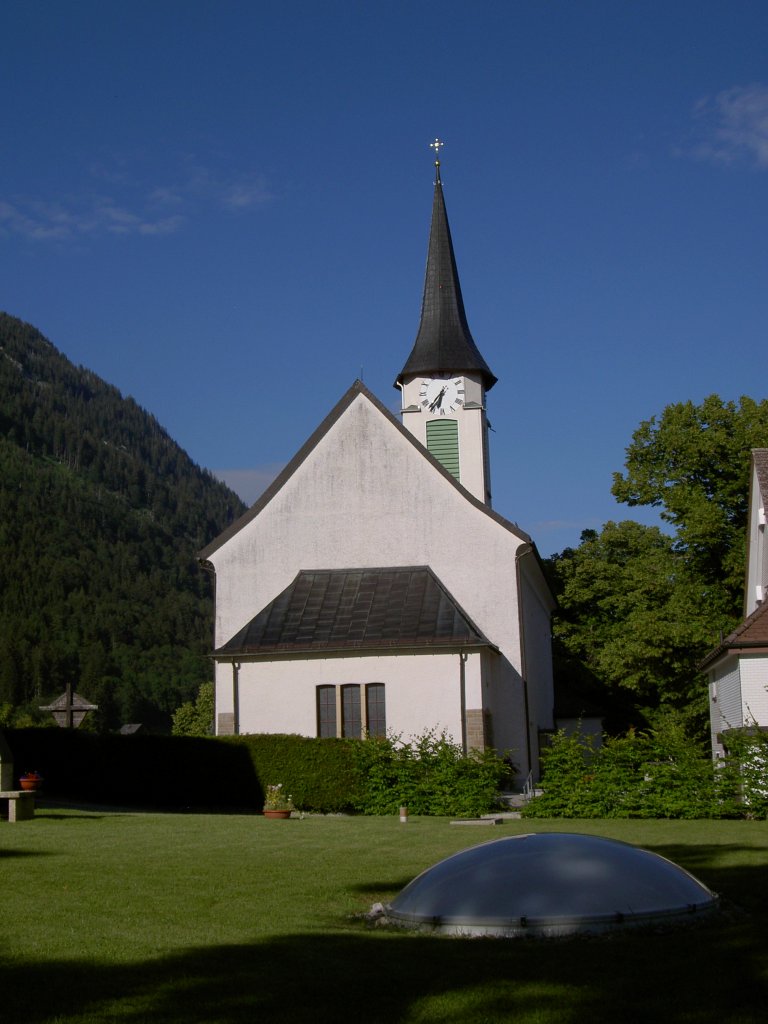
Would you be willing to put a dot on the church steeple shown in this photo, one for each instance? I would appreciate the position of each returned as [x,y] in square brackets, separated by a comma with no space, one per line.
[445,379]
[444,343]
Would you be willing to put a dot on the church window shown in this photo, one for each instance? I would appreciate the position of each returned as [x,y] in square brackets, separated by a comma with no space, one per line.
[376,710]
[351,710]
[326,711]
[351,719]
[443,443]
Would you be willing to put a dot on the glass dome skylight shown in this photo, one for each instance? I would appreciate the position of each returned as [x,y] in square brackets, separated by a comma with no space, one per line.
[554,883]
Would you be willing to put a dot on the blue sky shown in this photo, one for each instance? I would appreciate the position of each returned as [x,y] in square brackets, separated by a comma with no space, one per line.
[222,208]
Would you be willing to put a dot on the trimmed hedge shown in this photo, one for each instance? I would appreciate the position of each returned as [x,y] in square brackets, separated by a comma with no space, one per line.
[320,775]
[181,771]
[148,771]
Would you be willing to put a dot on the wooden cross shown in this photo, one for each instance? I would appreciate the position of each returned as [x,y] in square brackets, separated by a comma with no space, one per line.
[69,720]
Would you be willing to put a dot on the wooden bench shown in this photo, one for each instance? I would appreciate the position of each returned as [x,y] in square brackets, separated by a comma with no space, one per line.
[21,804]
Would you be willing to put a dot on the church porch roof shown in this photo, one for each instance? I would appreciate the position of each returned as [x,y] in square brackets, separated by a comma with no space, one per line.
[358,609]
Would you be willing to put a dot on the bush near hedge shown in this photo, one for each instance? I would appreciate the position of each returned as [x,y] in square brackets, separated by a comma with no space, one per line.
[429,775]
[661,773]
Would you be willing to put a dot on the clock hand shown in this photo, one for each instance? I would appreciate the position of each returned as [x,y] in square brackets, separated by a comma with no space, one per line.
[438,400]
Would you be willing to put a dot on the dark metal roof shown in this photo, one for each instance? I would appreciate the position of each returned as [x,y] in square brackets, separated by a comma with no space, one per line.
[444,343]
[350,609]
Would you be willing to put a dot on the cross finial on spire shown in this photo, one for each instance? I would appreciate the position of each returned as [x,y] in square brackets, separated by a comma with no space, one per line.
[437,145]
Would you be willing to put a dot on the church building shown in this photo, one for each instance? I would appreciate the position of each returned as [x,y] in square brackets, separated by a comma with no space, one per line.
[372,588]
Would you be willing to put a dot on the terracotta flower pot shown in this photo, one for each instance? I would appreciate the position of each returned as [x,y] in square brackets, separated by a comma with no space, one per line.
[272,813]
[30,783]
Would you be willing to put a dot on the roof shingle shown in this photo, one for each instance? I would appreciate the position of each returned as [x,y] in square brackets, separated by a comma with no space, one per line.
[340,609]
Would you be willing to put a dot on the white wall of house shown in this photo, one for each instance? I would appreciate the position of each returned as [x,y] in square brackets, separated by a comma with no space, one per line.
[754,688]
[726,679]
[756,589]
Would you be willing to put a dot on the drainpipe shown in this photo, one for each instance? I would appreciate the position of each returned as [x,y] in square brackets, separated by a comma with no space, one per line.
[236,696]
[463,699]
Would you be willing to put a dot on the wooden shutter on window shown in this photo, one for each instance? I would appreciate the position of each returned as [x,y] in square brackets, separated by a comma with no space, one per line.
[443,443]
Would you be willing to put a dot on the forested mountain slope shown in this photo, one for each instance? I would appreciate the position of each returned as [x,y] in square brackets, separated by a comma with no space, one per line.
[101,515]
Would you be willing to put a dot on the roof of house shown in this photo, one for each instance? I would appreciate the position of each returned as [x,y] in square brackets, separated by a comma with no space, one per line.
[751,634]
[353,609]
[444,343]
[78,704]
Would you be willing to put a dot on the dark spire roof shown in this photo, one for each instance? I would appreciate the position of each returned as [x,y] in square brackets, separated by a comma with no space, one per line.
[444,343]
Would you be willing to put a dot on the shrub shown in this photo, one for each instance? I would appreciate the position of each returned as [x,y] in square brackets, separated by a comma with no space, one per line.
[742,777]
[429,775]
[663,773]
[195,718]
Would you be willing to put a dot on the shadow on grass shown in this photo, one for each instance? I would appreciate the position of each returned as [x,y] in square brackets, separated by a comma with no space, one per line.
[23,853]
[722,869]
[391,885]
[49,816]
[712,972]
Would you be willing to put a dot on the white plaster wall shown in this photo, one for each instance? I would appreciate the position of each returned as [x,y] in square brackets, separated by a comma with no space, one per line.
[505,698]
[366,498]
[422,692]
[754,689]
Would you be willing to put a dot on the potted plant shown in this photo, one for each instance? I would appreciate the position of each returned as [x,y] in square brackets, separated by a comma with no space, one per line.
[31,781]
[276,804]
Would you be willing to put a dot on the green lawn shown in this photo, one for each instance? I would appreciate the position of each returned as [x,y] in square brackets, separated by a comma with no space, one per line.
[201,919]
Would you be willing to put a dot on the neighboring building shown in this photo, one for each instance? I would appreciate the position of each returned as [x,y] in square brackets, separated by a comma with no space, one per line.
[738,667]
[372,588]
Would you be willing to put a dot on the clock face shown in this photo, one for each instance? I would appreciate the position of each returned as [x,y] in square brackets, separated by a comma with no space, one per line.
[441,395]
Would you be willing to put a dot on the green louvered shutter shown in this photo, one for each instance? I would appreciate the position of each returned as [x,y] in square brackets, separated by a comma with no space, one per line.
[443,443]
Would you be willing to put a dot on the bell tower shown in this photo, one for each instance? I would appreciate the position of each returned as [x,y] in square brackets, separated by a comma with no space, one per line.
[445,378]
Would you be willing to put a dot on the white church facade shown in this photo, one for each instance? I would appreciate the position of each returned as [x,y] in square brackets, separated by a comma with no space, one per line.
[372,587]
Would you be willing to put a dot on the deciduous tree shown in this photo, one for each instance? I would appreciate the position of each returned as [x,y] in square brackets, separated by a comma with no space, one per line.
[692,463]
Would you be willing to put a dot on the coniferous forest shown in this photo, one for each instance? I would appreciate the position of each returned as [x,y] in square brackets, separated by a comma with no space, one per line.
[101,517]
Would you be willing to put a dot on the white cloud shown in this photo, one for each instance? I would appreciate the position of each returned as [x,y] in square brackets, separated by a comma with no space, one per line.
[249,484]
[124,206]
[733,126]
[243,194]
[40,220]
